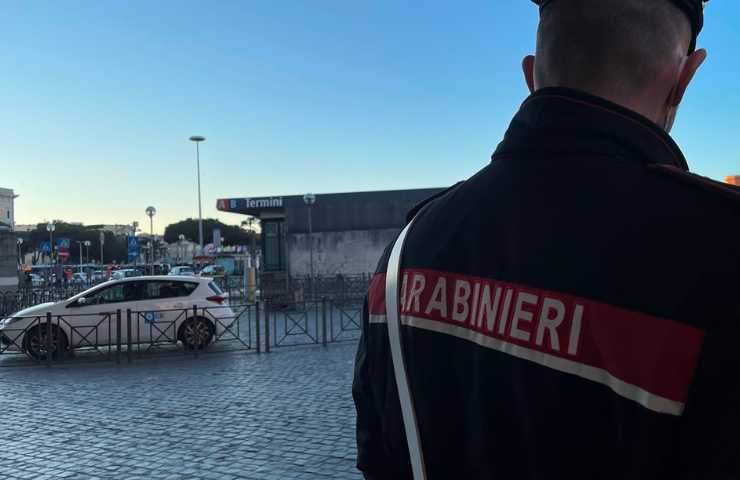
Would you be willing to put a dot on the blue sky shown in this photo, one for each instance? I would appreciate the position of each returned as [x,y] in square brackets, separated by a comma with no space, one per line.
[99,99]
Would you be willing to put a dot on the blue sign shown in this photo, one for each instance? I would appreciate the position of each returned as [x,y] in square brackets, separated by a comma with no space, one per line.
[152,317]
[45,247]
[63,243]
[133,248]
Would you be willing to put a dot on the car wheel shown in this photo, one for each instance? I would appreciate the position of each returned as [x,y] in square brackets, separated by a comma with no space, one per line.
[35,342]
[196,333]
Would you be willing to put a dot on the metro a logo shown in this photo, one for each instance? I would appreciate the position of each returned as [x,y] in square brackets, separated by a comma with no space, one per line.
[507,312]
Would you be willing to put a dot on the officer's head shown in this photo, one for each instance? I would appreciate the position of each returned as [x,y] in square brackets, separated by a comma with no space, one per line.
[637,53]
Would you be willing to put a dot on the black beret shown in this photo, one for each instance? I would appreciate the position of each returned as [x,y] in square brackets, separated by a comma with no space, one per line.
[694,9]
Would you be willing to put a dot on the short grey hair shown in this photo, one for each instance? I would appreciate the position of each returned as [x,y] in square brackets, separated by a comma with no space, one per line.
[620,45]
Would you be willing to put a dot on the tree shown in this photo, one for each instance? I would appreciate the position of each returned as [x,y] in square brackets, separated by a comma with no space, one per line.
[115,247]
[230,234]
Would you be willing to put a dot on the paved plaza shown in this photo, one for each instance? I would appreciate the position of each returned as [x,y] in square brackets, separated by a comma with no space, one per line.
[284,415]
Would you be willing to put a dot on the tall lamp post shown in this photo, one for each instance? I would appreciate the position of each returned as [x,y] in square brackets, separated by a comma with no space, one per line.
[150,211]
[80,243]
[102,243]
[87,250]
[309,199]
[50,227]
[20,254]
[180,253]
[197,139]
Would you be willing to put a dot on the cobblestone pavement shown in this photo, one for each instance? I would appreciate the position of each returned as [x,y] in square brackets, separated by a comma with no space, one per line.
[284,415]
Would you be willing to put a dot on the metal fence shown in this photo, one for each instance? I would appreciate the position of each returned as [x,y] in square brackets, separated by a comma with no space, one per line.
[345,289]
[12,301]
[340,289]
[125,336]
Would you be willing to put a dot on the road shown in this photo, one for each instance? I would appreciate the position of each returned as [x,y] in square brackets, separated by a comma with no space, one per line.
[284,415]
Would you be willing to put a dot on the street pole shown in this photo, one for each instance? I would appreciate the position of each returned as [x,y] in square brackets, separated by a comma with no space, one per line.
[151,244]
[150,211]
[102,242]
[79,267]
[310,249]
[200,209]
[20,253]
[197,139]
[309,199]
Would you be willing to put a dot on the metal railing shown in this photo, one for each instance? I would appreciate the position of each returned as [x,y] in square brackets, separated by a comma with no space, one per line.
[129,334]
[340,289]
[14,300]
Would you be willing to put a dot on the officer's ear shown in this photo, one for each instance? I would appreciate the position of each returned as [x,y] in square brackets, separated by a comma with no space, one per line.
[689,69]
[528,69]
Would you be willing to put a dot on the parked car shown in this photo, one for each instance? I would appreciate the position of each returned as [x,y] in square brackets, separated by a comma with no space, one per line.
[183,271]
[213,271]
[125,273]
[79,278]
[97,276]
[37,280]
[162,309]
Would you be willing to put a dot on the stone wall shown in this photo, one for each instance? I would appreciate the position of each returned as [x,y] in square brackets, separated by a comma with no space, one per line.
[349,252]
[8,261]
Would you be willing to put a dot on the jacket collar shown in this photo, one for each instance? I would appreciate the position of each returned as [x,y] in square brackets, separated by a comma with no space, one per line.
[561,120]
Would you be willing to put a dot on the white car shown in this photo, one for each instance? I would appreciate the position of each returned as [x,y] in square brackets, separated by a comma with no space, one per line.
[183,271]
[125,273]
[162,311]
[79,278]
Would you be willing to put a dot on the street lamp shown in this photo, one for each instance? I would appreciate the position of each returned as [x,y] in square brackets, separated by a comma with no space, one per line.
[102,243]
[180,253]
[87,249]
[19,241]
[80,243]
[309,199]
[50,227]
[150,211]
[197,139]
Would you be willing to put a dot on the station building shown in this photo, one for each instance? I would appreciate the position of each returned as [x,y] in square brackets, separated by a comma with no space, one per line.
[7,209]
[346,231]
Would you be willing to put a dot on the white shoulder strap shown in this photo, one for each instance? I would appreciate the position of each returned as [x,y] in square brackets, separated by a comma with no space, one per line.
[399,365]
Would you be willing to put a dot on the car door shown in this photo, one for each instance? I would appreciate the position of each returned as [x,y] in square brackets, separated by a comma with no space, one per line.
[166,308]
[92,318]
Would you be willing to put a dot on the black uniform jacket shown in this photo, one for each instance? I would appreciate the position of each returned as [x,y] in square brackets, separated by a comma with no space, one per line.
[571,311]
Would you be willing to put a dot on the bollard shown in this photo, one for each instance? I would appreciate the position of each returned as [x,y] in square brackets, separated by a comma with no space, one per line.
[118,336]
[61,353]
[267,326]
[323,319]
[257,325]
[48,339]
[128,335]
[195,314]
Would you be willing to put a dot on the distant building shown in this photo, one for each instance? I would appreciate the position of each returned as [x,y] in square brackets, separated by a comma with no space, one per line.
[181,251]
[28,227]
[349,231]
[7,210]
[733,180]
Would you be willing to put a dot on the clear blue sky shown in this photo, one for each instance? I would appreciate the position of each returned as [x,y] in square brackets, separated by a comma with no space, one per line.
[99,99]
